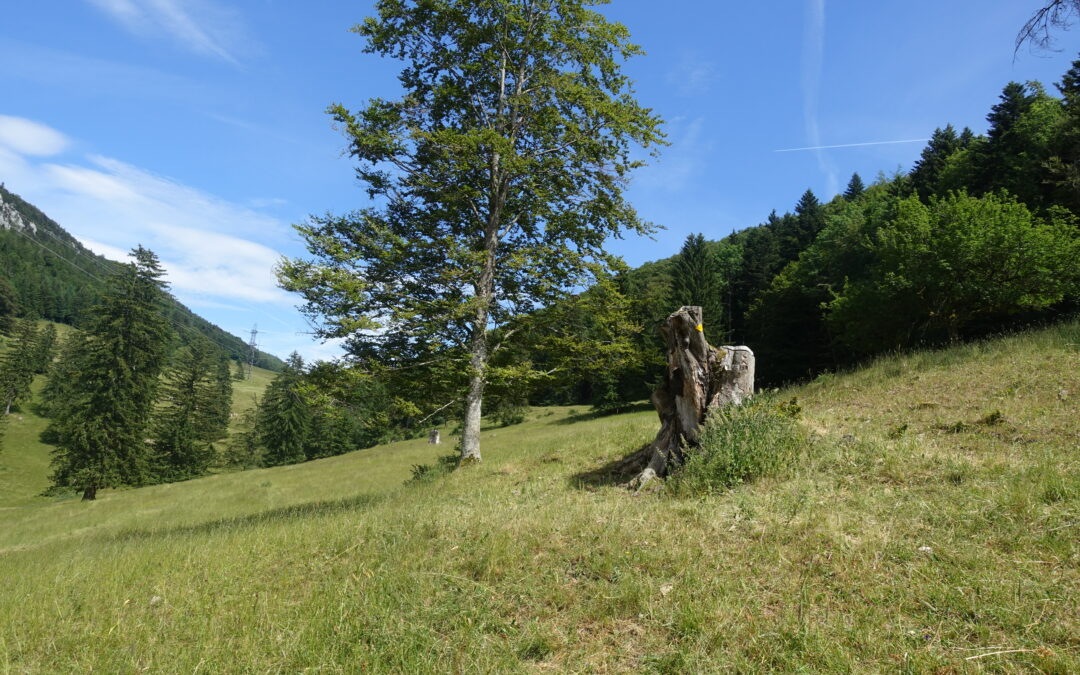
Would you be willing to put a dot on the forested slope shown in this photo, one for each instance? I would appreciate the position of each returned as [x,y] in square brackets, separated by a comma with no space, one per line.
[45,273]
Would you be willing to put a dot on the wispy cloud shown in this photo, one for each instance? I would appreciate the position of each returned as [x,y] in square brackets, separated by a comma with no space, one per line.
[682,161]
[853,145]
[199,26]
[812,61]
[28,137]
[216,253]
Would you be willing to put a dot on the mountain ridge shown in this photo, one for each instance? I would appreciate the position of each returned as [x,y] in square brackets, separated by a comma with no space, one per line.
[53,282]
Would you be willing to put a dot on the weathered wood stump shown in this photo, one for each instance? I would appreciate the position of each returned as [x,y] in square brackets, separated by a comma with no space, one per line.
[699,377]
[433,437]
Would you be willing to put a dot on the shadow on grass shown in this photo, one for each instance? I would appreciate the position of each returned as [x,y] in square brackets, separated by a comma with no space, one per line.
[594,414]
[615,472]
[285,513]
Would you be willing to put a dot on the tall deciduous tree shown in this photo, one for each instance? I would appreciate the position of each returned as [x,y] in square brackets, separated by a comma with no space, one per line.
[101,435]
[496,179]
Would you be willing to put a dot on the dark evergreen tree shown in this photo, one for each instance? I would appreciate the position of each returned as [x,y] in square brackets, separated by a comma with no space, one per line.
[9,306]
[243,449]
[188,420]
[44,348]
[855,187]
[695,280]
[927,170]
[1064,163]
[284,416]
[101,437]
[17,365]
[59,391]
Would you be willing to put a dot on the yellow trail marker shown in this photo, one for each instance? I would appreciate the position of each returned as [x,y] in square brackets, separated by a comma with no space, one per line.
[700,328]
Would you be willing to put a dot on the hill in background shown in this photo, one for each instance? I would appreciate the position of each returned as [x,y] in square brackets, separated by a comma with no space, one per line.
[54,277]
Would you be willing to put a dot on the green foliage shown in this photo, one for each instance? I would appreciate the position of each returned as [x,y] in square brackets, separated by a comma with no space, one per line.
[500,174]
[855,187]
[742,443]
[9,306]
[700,276]
[284,417]
[44,348]
[17,365]
[49,274]
[192,414]
[101,436]
[243,450]
[937,269]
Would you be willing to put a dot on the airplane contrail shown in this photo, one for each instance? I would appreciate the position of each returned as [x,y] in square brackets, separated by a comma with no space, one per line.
[853,145]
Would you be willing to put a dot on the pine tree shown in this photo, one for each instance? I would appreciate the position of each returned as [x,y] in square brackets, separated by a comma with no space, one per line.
[44,347]
[243,449]
[17,365]
[9,306]
[1064,164]
[188,420]
[59,391]
[102,435]
[695,281]
[284,417]
[855,187]
[924,175]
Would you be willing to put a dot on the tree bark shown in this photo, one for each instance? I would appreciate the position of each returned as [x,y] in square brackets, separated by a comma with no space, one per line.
[89,494]
[699,377]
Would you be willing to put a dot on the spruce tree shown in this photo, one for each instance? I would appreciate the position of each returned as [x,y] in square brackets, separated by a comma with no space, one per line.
[44,347]
[17,365]
[1064,164]
[855,187]
[924,175]
[59,391]
[284,417]
[187,421]
[9,306]
[695,281]
[101,437]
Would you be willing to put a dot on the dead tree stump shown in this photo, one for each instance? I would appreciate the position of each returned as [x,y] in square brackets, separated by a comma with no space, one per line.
[433,437]
[699,377]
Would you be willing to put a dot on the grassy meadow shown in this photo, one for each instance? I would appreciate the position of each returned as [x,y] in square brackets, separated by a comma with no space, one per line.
[931,525]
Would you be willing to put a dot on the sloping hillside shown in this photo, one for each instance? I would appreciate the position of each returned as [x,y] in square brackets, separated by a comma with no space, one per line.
[24,459]
[55,277]
[931,526]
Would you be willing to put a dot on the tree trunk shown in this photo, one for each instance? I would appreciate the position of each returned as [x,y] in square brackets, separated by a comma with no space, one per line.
[89,494]
[699,377]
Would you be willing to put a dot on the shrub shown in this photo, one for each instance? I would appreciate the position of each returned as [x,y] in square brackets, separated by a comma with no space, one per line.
[741,443]
[426,473]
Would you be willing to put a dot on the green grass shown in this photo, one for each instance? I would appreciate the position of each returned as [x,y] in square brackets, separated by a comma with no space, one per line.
[894,545]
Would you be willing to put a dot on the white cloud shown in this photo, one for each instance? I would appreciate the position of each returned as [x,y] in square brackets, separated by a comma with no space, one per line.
[210,264]
[200,26]
[27,137]
[111,252]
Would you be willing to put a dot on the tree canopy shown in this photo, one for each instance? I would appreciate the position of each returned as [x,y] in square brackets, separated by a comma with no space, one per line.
[495,181]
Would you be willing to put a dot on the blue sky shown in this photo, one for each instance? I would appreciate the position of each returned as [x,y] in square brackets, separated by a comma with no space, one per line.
[196,127]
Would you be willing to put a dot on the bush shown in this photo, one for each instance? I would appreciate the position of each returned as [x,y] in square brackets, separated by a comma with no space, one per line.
[741,443]
[426,473]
